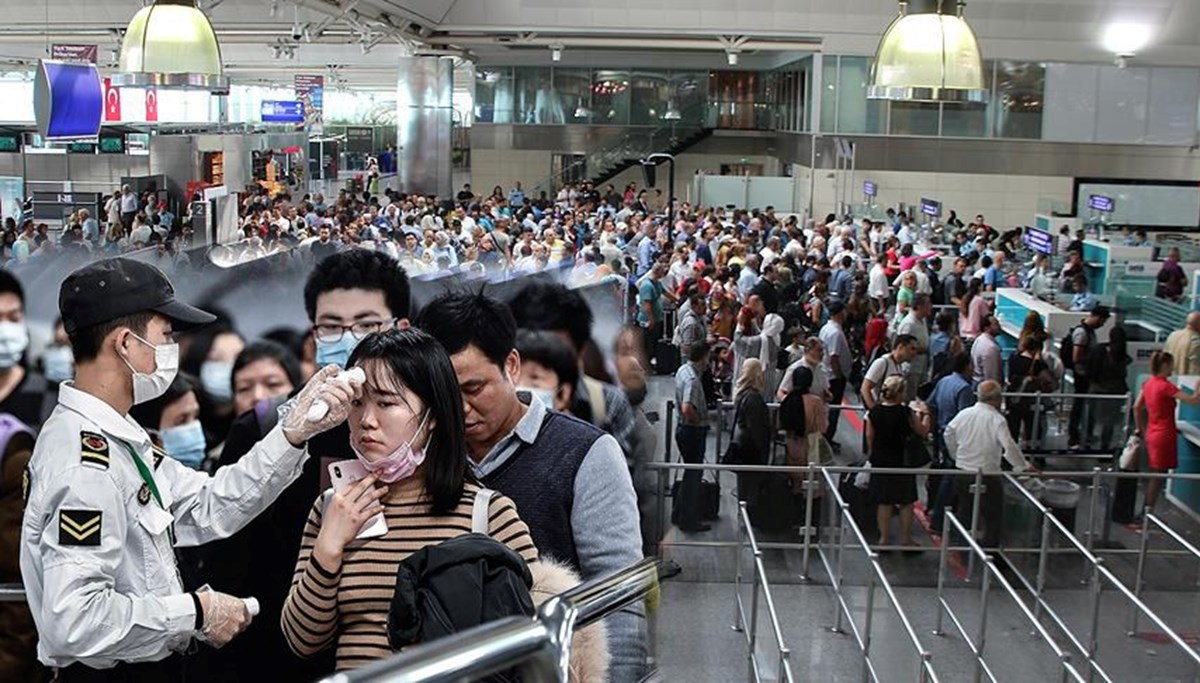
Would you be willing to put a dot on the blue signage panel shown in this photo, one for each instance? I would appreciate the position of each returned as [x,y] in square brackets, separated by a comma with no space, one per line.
[1039,240]
[67,100]
[282,111]
[1101,203]
[931,207]
[869,189]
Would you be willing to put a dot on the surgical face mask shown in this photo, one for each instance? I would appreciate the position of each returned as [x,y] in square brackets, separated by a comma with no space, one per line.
[14,339]
[58,363]
[337,352]
[185,443]
[546,396]
[217,379]
[401,463]
[147,387]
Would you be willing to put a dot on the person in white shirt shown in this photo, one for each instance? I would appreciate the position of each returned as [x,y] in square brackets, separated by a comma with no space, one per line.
[916,325]
[977,438]
[814,355]
[877,283]
[986,361]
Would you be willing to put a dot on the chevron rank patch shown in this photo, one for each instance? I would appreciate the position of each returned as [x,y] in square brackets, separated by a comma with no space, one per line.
[79,527]
[93,449]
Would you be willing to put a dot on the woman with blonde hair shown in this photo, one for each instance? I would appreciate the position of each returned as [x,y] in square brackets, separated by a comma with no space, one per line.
[889,426]
[751,426]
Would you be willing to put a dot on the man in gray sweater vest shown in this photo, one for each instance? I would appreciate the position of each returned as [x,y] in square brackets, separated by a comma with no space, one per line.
[568,479]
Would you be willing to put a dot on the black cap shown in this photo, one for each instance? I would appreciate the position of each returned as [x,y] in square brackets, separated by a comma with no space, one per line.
[117,287]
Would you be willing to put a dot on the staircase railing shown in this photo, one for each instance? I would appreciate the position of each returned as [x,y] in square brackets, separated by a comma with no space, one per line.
[635,143]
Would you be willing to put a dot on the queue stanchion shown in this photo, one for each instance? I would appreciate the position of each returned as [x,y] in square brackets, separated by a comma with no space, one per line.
[977,489]
[1143,546]
[810,530]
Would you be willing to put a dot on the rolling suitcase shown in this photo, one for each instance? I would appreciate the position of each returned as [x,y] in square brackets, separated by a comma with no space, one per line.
[1124,501]
[666,357]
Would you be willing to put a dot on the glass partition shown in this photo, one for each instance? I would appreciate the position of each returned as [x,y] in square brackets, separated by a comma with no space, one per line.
[1019,93]
[494,95]
[610,97]
[649,95]
[574,90]
[856,113]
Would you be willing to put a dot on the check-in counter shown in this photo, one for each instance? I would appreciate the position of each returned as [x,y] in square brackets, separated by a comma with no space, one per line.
[1187,493]
[1012,305]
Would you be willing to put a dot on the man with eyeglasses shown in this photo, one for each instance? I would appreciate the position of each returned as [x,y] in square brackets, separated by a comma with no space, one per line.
[348,296]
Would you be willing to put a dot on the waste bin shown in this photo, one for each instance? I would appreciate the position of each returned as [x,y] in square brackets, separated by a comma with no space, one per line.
[1022,522]
[1062,497]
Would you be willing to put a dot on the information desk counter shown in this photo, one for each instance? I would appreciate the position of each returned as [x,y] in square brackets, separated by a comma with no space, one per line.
[1187,493]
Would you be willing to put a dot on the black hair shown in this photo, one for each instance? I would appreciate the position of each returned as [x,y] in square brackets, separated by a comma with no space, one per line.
[292,340]
[699,351]
[791,410]
[458,320]
[544,305]
[904,340]
[9,284]
[549,350]
[359,269]
[960,363]
[421,365]
[86,342]
[201,343]
[149,414]
[269,350]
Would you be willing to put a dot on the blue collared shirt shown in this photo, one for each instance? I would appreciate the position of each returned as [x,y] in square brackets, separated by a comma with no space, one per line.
[952,394]
[1084,301]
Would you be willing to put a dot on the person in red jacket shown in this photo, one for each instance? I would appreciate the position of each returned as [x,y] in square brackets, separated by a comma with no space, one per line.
[877,328]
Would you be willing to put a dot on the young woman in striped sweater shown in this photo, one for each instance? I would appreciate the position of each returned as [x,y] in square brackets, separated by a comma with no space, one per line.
[407,429]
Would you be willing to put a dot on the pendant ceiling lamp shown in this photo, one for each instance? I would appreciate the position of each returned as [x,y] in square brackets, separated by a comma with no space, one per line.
[928,54]
[171,44]
[672,113]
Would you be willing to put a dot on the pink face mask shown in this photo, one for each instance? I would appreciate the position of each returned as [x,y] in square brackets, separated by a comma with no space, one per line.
[401,463]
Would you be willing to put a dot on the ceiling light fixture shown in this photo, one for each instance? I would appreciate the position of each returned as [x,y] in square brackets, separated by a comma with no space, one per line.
[732,57]
[556,51]
[1126,40]
[171,44]
[928,54]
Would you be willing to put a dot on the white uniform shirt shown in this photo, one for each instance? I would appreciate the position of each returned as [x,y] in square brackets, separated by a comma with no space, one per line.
[978,436]
[96,554]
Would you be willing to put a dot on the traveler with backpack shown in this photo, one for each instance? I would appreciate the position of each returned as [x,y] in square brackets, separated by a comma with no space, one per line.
[407,431]
[1077,349]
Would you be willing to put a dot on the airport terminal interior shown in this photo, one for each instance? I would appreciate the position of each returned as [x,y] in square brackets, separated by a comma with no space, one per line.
[561,340]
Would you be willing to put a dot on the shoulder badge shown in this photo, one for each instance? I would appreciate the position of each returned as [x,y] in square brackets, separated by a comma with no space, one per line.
[26,481]
[143,495]
[79,527]
[158,458]
[93,449]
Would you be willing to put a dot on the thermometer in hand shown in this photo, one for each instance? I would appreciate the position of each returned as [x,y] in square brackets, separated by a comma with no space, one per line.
[320,408]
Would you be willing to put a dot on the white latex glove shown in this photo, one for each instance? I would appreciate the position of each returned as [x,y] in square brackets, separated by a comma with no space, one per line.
[326,387]
[224,617]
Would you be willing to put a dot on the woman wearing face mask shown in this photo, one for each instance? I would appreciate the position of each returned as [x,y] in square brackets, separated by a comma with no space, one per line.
[58,363]
[24,392]
[210,356]
[173,423]
[263,371]
[407,430]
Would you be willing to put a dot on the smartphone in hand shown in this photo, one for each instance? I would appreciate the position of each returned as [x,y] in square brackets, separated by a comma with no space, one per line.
[346,473]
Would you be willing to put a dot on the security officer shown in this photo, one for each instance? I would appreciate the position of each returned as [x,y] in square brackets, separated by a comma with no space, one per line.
[105,509]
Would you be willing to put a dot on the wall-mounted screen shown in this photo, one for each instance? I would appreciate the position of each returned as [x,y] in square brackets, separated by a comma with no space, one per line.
[1101,203]
[112,144]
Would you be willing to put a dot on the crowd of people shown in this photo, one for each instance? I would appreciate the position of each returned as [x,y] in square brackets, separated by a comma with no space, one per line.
[516,394]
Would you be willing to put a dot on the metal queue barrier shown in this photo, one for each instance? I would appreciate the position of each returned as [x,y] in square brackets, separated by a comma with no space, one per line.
[1149,519]
[749,626]
[834,543]
[875,578]
[978,643]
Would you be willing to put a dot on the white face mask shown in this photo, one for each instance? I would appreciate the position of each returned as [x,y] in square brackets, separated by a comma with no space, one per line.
[546,396]
[14,339]
[147,387]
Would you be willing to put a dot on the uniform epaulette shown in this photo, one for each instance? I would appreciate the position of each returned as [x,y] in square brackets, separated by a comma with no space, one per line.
[93,450]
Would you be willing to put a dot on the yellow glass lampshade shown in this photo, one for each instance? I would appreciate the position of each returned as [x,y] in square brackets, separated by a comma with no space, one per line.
[928,57]
[171,44]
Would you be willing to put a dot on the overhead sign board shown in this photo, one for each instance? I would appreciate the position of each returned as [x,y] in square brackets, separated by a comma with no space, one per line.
[931,207]
[1039,240]
[282,111]
[869,189]
[1101,203]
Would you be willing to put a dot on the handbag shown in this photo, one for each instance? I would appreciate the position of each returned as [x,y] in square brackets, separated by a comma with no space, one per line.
[733,454]
[819,451]
[1131,456]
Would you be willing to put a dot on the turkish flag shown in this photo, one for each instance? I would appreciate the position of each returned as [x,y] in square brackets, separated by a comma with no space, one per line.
[112,101]
[151,105]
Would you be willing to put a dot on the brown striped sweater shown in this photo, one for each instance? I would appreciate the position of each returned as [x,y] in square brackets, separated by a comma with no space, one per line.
[349,607]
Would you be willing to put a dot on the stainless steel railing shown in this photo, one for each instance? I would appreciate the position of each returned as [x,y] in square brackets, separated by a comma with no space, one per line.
[539,648]
[875,577]
[1149,520]
[749,627]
